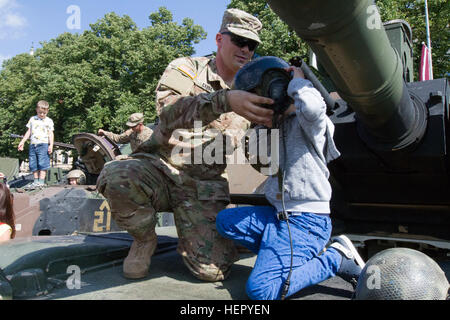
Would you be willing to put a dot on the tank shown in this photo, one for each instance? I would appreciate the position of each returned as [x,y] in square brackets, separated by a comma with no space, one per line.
[391,181]
[393,134]
[59,209]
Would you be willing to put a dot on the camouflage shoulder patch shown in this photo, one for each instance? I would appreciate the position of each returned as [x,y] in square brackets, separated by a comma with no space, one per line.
[175,80]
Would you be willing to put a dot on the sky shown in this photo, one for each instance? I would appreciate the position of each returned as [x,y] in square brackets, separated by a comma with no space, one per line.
[24,23]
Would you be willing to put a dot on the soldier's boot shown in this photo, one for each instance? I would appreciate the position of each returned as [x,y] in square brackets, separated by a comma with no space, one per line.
[205,272]
[137,263]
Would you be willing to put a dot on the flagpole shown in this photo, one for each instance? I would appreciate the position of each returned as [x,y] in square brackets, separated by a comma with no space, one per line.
[428,39]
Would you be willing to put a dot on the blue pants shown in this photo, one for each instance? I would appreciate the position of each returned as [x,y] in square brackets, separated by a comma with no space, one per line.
[258,229]
[39,157]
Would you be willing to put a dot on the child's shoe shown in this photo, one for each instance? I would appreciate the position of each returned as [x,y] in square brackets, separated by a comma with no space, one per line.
[30,186]
[352,263]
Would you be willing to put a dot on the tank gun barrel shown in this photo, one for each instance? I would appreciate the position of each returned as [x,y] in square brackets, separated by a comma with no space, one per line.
[352,45]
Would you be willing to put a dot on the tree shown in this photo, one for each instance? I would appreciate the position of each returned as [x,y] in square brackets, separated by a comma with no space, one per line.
[414,13]
[277,38]
[95,79]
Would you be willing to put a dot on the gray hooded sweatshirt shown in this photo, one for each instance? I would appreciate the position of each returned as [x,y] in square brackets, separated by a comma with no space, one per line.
[309,147]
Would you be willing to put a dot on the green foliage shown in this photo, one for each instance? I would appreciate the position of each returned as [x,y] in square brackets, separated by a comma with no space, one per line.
[279,40]
[96,79]
[92,80]
[414,13]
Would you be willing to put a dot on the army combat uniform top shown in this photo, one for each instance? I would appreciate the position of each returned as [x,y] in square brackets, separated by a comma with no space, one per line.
[129,136]
[189,95]
[194,113]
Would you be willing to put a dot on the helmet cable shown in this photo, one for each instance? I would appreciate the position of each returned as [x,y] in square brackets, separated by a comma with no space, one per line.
[284,215]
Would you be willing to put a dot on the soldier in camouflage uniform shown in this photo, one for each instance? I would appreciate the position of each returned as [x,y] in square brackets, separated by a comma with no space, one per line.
[154,180]
[137,133]
[76,177]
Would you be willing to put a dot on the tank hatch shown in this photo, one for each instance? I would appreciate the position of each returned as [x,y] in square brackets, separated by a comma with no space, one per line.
[95,151]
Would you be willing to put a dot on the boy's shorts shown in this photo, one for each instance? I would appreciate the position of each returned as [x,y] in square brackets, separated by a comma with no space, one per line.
[39,157]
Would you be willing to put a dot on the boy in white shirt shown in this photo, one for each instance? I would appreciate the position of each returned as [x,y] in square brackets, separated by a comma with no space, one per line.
[40,129]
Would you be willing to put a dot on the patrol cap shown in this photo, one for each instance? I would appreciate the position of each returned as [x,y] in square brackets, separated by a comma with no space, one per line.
[241,23]
[135,119]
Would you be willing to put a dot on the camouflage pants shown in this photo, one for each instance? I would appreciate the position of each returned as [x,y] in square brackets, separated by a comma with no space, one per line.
[136,190]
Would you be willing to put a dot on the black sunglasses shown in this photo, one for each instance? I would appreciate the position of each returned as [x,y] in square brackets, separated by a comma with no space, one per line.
[241,42]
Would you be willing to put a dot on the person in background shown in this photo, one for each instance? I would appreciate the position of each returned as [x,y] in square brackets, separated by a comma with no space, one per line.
[7,224]
[137,133]
[76,177]
[3,177]
[40,130]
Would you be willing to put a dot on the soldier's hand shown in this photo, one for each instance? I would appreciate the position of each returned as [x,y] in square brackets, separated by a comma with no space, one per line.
[247,105]
[100,132]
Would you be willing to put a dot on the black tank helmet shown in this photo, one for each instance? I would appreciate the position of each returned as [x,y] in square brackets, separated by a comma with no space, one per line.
[267,77]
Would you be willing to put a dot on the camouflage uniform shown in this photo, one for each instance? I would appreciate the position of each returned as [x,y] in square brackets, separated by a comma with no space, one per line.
[134,138]
[153,181]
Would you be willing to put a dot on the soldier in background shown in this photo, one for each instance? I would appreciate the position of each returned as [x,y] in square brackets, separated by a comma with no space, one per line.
[137,133]
[191,90]
[76,177]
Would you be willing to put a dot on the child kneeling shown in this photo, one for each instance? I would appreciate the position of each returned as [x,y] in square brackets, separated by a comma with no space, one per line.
[309,147]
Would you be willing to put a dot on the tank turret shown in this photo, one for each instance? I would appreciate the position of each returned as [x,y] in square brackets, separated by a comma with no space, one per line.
[393,175]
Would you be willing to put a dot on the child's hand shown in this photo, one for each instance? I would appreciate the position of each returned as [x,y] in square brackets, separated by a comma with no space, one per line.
[290,110]
[298,73]
[20,147]
[50,149]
